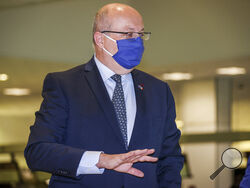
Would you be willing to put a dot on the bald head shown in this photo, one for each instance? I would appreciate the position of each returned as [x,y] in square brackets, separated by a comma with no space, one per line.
[112,15]
[117,18]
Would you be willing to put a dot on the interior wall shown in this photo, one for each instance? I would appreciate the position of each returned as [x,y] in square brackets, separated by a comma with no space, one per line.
[241,104]
[195,31]
[202,160]
[61,31]
[16,116]
[196,105]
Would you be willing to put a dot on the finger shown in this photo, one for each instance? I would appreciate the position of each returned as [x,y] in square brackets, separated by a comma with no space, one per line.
[140,152]
[130,156]
[134,159]
[150,151]
[126,156]
[135,172]
[144,152]
[135,154]
[146,159]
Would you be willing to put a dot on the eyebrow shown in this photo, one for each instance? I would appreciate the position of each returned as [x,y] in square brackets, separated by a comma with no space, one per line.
[132,29]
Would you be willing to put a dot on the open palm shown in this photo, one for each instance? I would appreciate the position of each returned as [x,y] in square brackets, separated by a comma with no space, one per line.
[124,162]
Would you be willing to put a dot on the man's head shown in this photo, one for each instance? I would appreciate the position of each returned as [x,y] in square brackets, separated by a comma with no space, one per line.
[114,17]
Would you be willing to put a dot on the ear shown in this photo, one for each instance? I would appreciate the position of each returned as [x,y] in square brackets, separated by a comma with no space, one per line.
[98,37]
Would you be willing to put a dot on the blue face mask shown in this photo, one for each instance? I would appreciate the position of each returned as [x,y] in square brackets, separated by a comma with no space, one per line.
[129,52]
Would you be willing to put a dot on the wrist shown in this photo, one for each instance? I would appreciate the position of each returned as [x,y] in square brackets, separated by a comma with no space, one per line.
[101,162]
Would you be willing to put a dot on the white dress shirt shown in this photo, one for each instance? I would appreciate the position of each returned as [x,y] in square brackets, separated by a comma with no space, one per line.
[90,158]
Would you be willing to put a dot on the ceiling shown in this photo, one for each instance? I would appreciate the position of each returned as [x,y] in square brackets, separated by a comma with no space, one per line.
[5,4]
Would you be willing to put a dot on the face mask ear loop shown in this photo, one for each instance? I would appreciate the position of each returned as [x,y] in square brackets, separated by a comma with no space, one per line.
[109,39]
[107,51]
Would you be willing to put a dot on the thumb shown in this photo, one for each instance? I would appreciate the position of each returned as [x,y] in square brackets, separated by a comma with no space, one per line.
[135,172]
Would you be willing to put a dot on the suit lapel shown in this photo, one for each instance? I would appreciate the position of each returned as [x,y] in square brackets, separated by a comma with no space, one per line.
[139,130]
[97,86]
[139,93]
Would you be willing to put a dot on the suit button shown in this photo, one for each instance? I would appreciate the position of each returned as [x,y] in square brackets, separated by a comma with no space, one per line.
[62,172]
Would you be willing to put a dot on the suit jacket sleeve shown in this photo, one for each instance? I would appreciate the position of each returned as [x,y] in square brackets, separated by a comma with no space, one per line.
[245,183]
[45,150]
[170,159]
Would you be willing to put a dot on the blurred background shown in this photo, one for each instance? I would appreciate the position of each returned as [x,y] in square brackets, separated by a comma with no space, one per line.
[200,47]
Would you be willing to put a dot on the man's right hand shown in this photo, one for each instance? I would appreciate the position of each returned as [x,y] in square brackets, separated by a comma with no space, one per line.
[124,162]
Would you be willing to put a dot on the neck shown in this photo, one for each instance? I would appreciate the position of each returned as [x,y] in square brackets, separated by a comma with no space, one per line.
[109,62]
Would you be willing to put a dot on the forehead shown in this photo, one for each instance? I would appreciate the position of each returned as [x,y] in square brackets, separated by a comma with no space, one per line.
[126,21]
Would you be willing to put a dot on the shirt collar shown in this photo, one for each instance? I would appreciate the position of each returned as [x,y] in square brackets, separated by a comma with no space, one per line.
[106,73]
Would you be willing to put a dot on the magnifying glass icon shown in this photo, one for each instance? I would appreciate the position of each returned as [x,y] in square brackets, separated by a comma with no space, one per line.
[231,158]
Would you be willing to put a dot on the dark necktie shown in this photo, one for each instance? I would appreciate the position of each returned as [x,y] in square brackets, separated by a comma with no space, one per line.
[120,106]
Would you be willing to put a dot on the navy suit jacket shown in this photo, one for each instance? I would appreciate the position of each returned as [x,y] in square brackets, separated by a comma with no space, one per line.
[77,115]
[245,183]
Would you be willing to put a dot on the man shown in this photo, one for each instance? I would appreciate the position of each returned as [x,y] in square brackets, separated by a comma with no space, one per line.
[104,123]
[245,183]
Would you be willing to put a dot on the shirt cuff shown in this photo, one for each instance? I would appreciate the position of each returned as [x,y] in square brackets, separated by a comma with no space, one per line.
[88,163]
